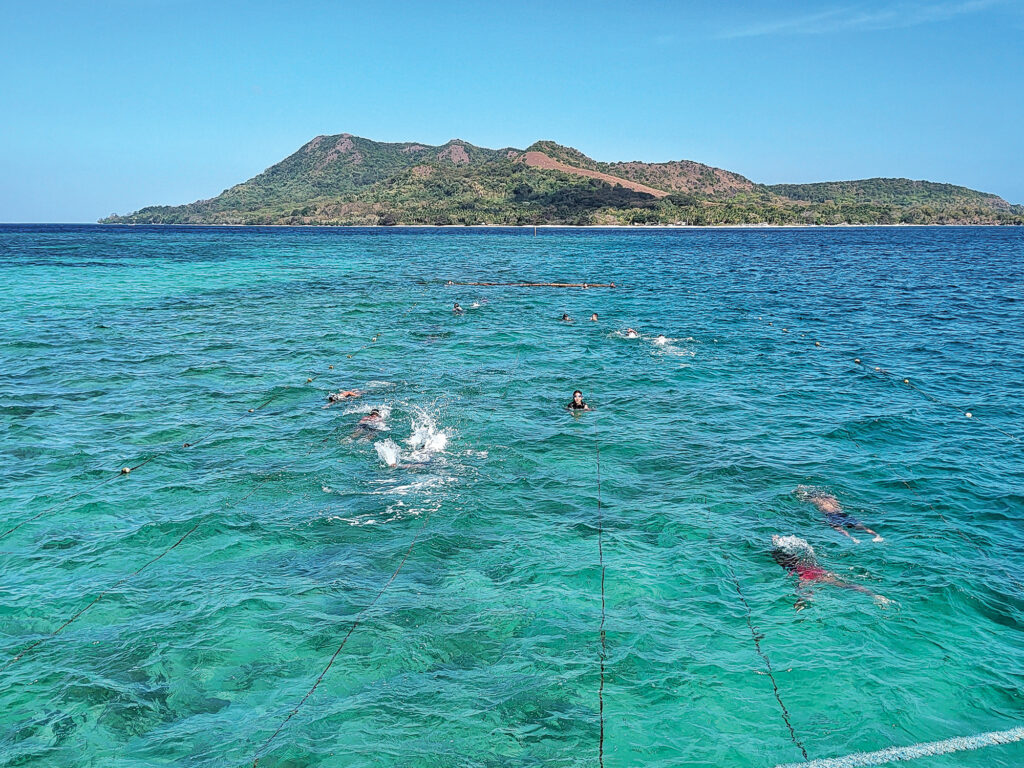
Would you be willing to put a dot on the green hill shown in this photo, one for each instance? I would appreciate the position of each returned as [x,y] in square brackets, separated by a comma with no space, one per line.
[888,191]
[348,180]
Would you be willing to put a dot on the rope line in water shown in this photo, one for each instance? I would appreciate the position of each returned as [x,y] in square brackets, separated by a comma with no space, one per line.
[757,637]
[888,375]
[914,751]
[604,645]
[98,597]
[355,623]
[129,469]
[77,615]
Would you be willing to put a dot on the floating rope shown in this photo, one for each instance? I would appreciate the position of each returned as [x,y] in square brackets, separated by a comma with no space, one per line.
[129,469]
[539,285]
[928,396]
[61,503]
[98,597]
[142,568]
[888,375]
[355,623]
[604,646]
[914,751]
[757,636]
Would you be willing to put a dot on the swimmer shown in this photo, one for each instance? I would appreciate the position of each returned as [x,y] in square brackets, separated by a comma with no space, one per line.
[631,334]
[370,423]
[577,404]
[593,318]
[796,556]
[661,338]
[345,394]
[457,310]
[839,520]
[566,318]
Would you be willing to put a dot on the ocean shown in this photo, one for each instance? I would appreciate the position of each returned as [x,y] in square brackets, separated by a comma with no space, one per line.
[487,579]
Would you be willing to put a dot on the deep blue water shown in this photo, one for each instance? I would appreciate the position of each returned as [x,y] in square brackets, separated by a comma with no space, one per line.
[120,345]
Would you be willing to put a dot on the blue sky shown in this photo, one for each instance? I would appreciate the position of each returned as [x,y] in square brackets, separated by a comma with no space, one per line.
[110,106]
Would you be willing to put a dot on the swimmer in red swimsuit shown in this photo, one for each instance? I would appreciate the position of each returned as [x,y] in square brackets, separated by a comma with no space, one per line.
[796,556]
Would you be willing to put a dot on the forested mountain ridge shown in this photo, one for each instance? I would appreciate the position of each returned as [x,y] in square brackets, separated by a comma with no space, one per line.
[348,180]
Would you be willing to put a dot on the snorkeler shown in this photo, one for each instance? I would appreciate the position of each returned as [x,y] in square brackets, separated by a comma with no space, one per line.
[457,310]
[345,394]
[796,556]
[566,318]
[369,424]
[829,506]
[577,404]
[593,318]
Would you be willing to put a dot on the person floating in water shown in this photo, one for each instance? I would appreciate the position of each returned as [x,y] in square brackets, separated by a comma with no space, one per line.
[577,404]
[566,318]
[796,556]
[593,318]
[368,425]
[345,394]
[829,506]
[457,310]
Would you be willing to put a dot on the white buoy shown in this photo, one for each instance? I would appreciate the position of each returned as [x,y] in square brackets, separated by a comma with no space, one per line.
[968,414]
[126,470]
[309,381]
[331,367]
[252,410]
[817,343]
[906,381]
[856,360]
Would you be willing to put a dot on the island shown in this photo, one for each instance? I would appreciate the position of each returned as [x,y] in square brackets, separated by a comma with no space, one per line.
[345,180]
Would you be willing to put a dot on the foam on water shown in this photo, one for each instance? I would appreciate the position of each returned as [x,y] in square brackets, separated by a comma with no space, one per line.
[388,451]
[794,545]
[426,438]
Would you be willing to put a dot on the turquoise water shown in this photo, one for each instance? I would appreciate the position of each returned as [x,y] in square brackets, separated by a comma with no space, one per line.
[119,345]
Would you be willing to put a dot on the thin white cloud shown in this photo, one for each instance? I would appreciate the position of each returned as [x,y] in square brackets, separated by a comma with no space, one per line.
[863,17]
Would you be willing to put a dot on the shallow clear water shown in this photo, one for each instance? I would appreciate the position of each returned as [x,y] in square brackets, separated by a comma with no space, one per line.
[121,344]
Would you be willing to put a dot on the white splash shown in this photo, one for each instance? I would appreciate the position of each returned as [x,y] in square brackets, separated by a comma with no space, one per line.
[388,451]
[667,346]
[628,333]
[793,545]
[426,439]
